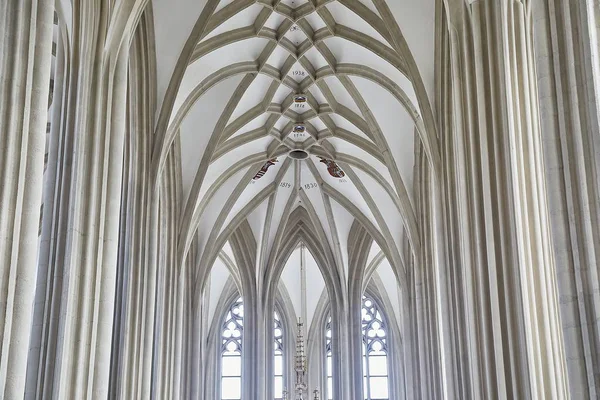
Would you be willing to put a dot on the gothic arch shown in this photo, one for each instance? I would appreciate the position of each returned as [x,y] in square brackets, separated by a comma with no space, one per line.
[298,230]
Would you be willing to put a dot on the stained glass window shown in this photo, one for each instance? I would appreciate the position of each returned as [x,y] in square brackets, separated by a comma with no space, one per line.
[231,352]
[375,352]
[278,348]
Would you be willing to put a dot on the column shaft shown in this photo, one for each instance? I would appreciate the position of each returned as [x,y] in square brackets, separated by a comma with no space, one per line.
[80,244]
[25,63]
[567,63]
[507,330]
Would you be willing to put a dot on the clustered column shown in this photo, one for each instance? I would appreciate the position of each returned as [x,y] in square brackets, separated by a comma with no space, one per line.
[507,340]
[75,301]
[568,66]
[25,62]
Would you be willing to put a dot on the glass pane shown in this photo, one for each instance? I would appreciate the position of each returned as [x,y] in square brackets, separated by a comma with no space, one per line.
[330,388]
[329,366]
[231,388]
[375,348]
[232,348]
[378,366]
[377,353]
[278,368]
[231,353]
[379,388]
[232,366]
[278,387]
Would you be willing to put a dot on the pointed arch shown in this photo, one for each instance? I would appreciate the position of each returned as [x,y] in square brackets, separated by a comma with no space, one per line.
[300,227]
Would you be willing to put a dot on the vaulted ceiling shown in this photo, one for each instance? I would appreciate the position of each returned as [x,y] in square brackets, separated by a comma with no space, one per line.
[311,104]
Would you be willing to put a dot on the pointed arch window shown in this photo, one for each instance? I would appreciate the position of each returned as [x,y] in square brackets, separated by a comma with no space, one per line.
[279,357]
[375,351]
[231,352]
[328,358]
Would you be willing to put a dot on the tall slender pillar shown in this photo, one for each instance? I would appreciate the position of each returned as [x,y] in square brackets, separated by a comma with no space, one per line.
[506,314]
[567,52]
[76,300]
[50,204]
[134,334]
[87,303]
[25,63]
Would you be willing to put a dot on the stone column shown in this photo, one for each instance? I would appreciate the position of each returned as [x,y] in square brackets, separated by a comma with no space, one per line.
[426,323]
[25,62]
[77,297]
[134,333]
[567,63]
[50,205]
[506,314]
[254,338]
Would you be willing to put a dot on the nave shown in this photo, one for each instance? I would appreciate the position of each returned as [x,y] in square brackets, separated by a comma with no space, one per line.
[299,199]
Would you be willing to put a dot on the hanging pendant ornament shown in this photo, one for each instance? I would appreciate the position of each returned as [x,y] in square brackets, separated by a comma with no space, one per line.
[301,386]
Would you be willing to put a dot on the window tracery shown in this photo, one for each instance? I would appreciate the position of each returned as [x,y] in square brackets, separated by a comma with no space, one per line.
[231,352]
[375,351]
[328,357]
[279,355]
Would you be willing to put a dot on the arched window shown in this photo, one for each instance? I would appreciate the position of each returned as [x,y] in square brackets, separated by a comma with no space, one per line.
[329,360]
[375,352]
[278,366]
[231,352]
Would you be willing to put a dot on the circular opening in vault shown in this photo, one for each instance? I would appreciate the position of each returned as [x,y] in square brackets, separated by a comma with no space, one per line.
[298,154]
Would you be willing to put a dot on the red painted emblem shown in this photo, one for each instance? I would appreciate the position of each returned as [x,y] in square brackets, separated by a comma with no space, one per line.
[264,169]
[333,169]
